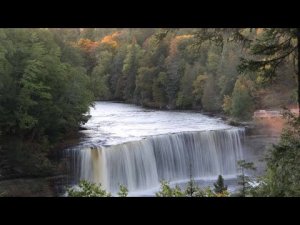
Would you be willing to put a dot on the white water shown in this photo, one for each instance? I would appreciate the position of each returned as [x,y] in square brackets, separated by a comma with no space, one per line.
[126,144]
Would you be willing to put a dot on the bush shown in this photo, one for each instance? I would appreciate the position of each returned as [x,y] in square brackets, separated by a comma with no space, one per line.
[167,191]
[123,191]
[86,189]
[191,190]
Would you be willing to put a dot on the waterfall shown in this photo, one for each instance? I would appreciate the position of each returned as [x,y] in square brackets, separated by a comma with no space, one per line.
[142,164]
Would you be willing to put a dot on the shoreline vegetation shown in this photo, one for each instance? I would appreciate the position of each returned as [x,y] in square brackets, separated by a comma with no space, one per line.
[191,189]
[50,77]
[52,186]
[24,185]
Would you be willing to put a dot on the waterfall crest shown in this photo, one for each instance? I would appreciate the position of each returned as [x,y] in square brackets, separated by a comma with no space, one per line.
[143,164]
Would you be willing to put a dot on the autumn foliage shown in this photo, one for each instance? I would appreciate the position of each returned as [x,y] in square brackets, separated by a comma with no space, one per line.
[111,39]
[89,46]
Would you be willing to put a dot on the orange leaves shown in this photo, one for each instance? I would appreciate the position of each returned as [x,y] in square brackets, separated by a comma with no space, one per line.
[182,37]
[87,45]
[111,39]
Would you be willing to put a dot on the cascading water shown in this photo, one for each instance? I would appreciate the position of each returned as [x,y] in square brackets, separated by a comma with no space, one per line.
[142,164]
[129,145]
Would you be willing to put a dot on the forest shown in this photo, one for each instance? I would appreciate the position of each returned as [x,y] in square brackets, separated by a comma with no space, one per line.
[49,78]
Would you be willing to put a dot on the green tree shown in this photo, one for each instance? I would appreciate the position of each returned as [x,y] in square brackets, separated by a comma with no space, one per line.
[219,185]
[227,104]
[88,33]
[242,103]
[282,177]
[213,60]
[192,190]
[144,84]
[86,189]
[116,79]
[175,68]
[227,70]
[43,97]
[123,192]
[167,191]
[158,89]
[130,67]
[141,35]
[243,179]
[210,98]
[46,86]
[185,96]
[173,76]
[273,48]
[99,77]
[198,88]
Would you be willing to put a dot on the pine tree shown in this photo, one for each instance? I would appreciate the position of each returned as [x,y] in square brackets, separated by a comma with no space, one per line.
[273,48]
[243,179]
[219,185]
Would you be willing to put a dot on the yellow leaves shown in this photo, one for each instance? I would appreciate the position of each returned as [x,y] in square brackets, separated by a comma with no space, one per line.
[87,44]
[182,37]
[111,39]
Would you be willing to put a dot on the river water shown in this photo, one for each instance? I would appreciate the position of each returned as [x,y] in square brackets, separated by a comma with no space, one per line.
[129,145]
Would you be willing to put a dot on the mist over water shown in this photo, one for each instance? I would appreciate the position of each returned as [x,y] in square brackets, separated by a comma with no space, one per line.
[128,145]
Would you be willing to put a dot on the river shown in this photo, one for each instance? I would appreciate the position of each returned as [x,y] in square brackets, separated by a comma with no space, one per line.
[137,147]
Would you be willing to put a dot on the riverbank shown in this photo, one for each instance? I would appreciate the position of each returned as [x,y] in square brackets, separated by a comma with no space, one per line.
[228,119]
[32,187]
[131,122]
[270,126]
[21,177]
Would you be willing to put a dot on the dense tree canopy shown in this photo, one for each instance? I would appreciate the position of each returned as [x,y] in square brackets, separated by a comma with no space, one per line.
[164,68]
[44,91]
[190,68]
[50,77]
[36,85]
